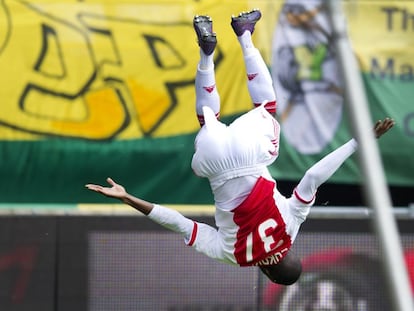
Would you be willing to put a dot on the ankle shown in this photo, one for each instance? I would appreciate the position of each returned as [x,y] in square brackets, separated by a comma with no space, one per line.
[246,43]
[206,61]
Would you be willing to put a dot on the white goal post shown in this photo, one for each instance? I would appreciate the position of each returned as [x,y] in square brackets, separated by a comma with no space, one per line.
[376,191]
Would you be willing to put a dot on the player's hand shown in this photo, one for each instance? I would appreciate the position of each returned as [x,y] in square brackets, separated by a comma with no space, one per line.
[116,191]
[383,126]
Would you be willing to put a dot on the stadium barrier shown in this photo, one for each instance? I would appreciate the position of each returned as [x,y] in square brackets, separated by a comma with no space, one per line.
[89,258]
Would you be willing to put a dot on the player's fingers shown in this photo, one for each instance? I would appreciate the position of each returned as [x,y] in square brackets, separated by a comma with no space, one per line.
[93,187]
[388,122]
[110,181]
[377,126]
[389,125]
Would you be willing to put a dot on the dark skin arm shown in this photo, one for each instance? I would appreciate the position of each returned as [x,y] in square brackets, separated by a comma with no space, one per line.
[117,191]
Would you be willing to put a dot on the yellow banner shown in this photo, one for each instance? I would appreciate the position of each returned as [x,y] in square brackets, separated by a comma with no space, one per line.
[382,34]
[103,69]
[99,70]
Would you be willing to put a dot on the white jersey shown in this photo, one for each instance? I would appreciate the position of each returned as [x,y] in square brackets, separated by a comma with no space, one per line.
[235,158]
[259,231]
[256,225]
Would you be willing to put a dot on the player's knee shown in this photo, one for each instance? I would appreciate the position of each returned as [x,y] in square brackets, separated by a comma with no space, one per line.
[286,272]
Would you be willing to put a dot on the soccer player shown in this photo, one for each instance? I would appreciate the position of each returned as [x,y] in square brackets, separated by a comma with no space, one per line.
[255,224]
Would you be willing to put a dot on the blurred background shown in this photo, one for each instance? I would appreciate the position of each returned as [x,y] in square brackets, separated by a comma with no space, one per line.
[93,89]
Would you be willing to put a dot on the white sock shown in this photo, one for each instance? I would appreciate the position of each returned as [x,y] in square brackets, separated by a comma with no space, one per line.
[206,91]
[261,86]
[206,61]
[246,42]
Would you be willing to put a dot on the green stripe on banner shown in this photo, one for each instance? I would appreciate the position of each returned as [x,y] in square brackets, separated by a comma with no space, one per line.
[392,97]
[386,97]
[56,171]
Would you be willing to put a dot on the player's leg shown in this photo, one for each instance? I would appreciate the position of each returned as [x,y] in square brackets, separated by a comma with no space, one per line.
[259,80]
[323,170]
[205,82]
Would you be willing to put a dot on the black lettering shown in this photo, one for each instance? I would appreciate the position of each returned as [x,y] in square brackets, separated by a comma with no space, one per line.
[377,72]
[398,19]
[407,74]
[389,13]
[404,20]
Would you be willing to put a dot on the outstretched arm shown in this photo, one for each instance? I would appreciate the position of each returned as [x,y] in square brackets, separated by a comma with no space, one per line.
[166,217]
[326,167]
[117,191]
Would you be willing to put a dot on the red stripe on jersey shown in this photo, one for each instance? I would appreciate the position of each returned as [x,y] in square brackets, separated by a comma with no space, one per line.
[193,235]
[262,230]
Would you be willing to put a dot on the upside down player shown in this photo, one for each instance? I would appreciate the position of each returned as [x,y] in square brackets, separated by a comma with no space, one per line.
[256,225]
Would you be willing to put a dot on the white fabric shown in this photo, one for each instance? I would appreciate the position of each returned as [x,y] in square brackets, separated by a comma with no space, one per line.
[244,148]
[259,80]
[323,170]
[218,243]
[206,91]
[246,42]
[234,191]
[292,210]
[173,220]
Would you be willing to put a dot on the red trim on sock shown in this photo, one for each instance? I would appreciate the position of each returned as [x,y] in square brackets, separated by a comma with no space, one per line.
[269,106]
[201,120]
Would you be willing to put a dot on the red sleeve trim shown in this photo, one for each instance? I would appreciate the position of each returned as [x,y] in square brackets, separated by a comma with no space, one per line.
[301,199]
[193,235]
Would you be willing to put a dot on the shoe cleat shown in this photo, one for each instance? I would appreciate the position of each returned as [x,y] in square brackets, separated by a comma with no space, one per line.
[207,40]
[245,21]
